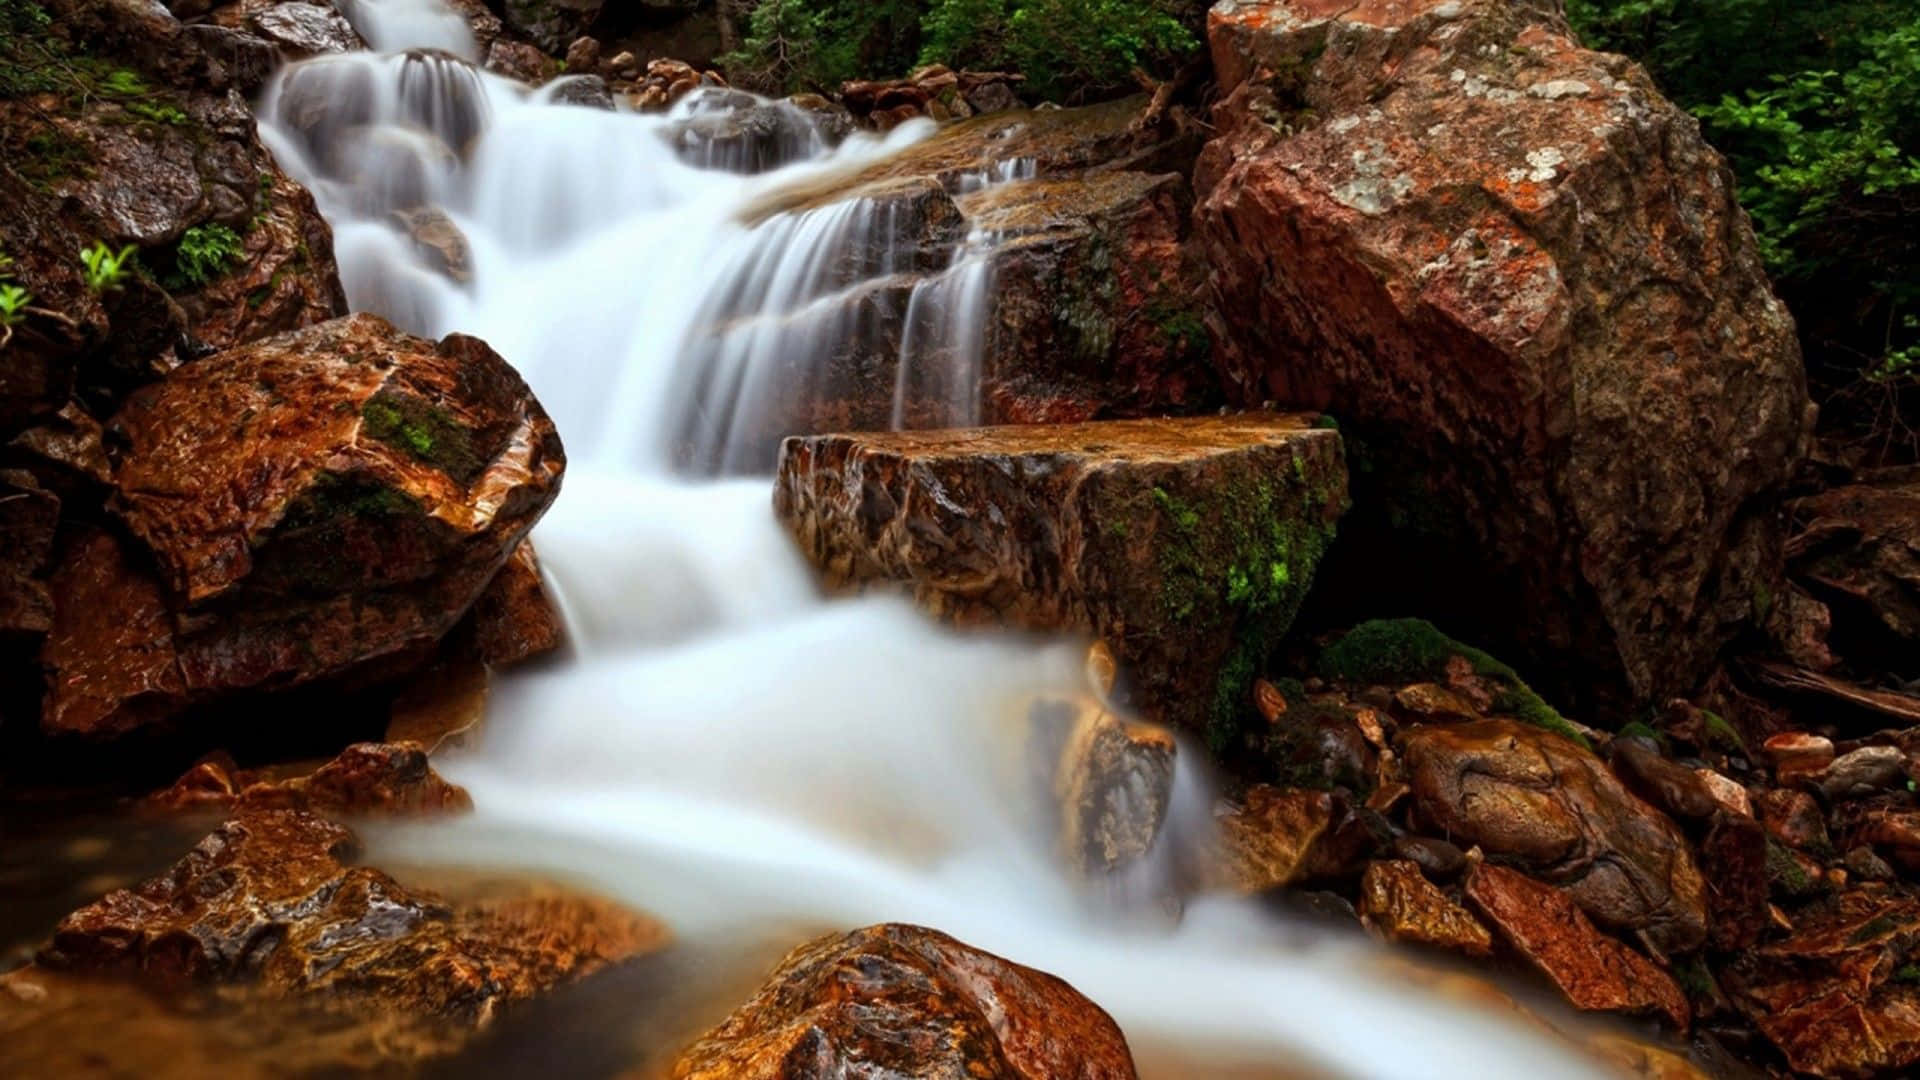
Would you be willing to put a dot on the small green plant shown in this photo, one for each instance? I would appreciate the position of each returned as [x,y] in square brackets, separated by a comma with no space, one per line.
[13,304]
[106,268]
[204,253]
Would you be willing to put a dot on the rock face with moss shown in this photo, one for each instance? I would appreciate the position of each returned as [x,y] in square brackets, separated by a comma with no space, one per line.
[1519,279]
[320,505]
[1185,544]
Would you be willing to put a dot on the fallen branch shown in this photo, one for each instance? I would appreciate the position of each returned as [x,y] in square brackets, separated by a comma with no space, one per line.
[1885,702]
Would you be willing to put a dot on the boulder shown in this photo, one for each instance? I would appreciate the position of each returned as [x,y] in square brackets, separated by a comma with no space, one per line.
[1400,903]
[296,29]
[1108,779]
[907,1002]
[1185,544]
[1519,279]
[514,619]
[1857,549]
[266,911]
[321,505]
[1270,839]
[365,779]
[1594,971]
[1537,800]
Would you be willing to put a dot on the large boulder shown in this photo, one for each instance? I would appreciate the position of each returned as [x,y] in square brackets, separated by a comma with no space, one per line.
[1519,279]
[321,505]
[1185,544]
[907,1002]
[1540,801]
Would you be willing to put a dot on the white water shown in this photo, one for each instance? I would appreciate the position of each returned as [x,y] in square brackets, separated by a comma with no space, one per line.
[722,747]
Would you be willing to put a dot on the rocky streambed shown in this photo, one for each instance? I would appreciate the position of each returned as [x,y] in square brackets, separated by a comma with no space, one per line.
[1362,499]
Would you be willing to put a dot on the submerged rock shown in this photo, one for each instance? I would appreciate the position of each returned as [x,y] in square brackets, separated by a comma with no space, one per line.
[907,1002]
[320,505]
[1520,280]
[1110,780]
[1185,544]
[1542,802]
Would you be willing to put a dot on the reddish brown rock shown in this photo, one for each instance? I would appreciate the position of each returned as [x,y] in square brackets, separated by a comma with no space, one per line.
[365,779]
[1400,903]
[1837,996]
[514,620]
[1519,278]
[1858,550]
[266,909]
[1184,544]
[907,1002]
[1535,799]
[29,514]
[1793,818]
[283,278]
[1271,839]
[321,505]
[1797,754]
[1594,971]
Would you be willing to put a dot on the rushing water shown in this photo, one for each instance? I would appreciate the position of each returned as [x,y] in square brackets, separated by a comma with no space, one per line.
[721,746]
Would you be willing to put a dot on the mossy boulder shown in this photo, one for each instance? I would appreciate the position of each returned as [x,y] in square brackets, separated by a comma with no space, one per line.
[1187,545]
[320,505]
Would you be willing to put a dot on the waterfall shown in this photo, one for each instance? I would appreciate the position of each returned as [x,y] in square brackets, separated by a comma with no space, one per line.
[720,745]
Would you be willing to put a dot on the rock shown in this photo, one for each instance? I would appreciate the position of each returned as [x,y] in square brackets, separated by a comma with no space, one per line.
[265,910]
[521,61]
[1109,779]
[906,1002]
[1733,860]
[1894,831]
[29,516]
[623,65]
[1429,701]
[1725,792]
[586,91]
[1434,857]
[1271,839]
[442,705]
[365,779]
[1669,785]
[1320,746]
[1398,901]
[294,28]
[320,505]
[552,25]
[1796,754]
[1546,388]
[583,56]
[514,620]
[283,279]
[992,97]
[1836,996]
[437,241]
[1535,799]
[1857,549]
[1866,771]
[1793,818]
[1595,972]
[1185,544]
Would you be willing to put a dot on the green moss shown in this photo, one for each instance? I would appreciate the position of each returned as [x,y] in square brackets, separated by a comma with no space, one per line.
[425,431]
[1694,978]
[1876,927]
[1785,875]
[1326,422]
[1412,650]
[1762,601]
[1907,974]
[1722,734]
[1639,729]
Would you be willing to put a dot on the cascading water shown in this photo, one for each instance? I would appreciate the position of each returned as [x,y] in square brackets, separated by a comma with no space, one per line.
[722,747]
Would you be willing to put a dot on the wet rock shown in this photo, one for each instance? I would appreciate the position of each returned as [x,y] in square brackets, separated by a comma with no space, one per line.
[514,620]
[441,705]
[1110,780]
[583,55]
[1857,549]
[1866,771]
[735,131]
[1270,839]
[1429,701]
[1594,971]
[1796,754]
[1863,863]
[283,279]
[1398,901]
[907,1002]
[1666,784]
[1837,995]
[265,909]
[1320,746]
[1184,544]
[520,61]
[552,25]
[1535,799]
[1733,860]
[320,505]
[1895,832]
[1725,792]
[437,241]
[294,28]
[1435,857]
[1427,172]
[365,779]
[29,516]
[586,91]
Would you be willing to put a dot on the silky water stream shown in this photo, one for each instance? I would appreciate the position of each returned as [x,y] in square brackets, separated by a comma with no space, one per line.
[720,746]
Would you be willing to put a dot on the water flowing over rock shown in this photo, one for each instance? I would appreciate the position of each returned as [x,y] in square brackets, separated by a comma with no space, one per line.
[319,504]
[1519,279]
[1184,544]
[1540,801]
[908,1002]
[1110,779]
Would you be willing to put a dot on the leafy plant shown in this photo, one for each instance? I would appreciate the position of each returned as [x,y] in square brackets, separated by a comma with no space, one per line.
[13,304]
[106,268]
[203,254]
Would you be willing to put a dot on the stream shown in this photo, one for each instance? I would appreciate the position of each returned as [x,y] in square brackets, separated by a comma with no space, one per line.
[720,745]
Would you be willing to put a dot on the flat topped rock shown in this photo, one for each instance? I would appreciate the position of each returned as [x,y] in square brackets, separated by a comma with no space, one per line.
[1185,544]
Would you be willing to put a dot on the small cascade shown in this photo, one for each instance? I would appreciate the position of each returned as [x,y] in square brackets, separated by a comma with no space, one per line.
[393,25]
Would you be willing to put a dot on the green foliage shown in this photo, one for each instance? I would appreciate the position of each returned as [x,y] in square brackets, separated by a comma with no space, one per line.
[1817,107]
[13,304]
[1414,650]
[203,254]
[106,269]
[1068,49]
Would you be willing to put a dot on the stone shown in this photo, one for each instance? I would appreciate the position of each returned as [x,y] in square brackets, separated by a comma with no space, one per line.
[1866,771]
[294,28]
[1109,780]
[1594,972]
[265,908]
[1733,860]
[1270,839]
[29,517]
[1431,701]
[1669,785]
[439,243]
[1725,792]
[1401,214]
[1435,857]
[1550,807]
[1399,902]
[1797,753]
[1894,831]
[907,1002]
[1184,544]
[1857,549]
[520,61]
[1836,995]
[321,505]
[583,56]
[1319,745]
[514,620]
[365,779]
[441,705]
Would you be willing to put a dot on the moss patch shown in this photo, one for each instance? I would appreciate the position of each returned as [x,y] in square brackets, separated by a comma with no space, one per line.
[1785,875]
[425,431]
[1414,650]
